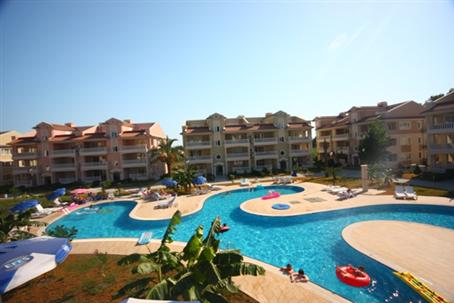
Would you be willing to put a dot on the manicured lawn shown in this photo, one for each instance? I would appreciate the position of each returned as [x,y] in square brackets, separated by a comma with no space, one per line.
[85,278]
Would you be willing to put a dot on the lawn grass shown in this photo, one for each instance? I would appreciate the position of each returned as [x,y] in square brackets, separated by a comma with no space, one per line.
[85,278]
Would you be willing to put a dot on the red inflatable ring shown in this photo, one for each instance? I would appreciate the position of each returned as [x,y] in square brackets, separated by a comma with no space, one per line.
[352,276]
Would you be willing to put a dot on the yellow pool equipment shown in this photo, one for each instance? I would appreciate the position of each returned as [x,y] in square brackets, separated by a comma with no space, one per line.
[423,290]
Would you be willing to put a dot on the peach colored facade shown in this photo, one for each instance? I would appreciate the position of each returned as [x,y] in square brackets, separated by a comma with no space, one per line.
[221,146]
[6,157]
[404,123]
[440,133]
[112,150]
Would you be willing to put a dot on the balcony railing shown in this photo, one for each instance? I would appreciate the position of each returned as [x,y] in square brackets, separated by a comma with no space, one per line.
[264,154]
[262,167]
[339,137]
[63,153]
[198,143]
[133,148]
[437,147]
[238,155]
[271,140]
[64,165]
[93,150]
[236,142]
[23,183]
[24,169]
[298,139]
[66,180]
[198,158]
[239,169]
[26,155]
[92,178]
[446,125]
[94,165]
[342,150]
[296,152]
[138,176]
[135,161]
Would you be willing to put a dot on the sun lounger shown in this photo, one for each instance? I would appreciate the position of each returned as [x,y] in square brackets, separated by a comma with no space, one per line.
[329,187]
[145,238]
[245,182]
[167,203]
[410,193]
[42,212]
[213,187]
[337,190]
[399,192]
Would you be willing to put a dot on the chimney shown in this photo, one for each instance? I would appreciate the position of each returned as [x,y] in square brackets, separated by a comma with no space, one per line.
[382,104]
[70,124]
[127,121]
[268,114]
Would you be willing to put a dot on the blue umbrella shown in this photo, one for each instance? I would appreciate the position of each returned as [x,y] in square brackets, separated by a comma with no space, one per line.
[199,180]
[56,193]
[169,182]
[25,260]
[24,205]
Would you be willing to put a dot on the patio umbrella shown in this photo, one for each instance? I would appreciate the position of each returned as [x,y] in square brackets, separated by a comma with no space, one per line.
[25,260]
[199,180]
[56,193]
[80,191]
[24,205]
[169,182]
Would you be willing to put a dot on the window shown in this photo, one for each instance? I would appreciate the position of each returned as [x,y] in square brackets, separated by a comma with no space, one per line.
[282,139]
[114,134]
[419,140]
[218,129]
[392,141]
[392,126]
[218,157]
[115,148]
[404,125]
[282,153]
[218,142]
[46,153]
[405,141]
[419,125]
[420,155]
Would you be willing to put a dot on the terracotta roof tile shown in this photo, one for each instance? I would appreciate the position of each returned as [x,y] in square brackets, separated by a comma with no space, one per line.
[196,130]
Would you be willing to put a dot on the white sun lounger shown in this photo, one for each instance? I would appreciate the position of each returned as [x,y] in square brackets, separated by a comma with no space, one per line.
[410,193]
[245,182]
[399,192]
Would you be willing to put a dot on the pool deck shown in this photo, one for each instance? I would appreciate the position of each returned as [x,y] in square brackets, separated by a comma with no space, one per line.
[265,289]
[426,251]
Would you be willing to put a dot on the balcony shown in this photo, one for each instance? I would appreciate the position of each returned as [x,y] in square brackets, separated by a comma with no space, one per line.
[342,150]
[441,148]
[265,141]
[447,127]
[299,152]
[134,163]
[324,138]
[94,165]
[265,155]
[24,170]
[63,167]
[237,156]
[58,153]
[93,151]
[341,137]
[405,148]
[25,155]
[296,139]
[133,149]
[199,159]
[198,144]
[236,142]
[66,180]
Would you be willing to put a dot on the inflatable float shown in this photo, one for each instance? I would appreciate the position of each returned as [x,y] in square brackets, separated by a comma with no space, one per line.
[224,229]
[352,276]
[271,195]
[423,290]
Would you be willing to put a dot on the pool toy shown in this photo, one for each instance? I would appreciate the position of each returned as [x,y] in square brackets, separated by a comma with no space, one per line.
[145,238]
[271,195]
[280,206]
[224,229]
[423,290]
[352,276]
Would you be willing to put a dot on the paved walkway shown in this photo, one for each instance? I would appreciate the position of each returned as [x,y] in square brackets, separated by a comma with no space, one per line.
[427,251]
[270,288]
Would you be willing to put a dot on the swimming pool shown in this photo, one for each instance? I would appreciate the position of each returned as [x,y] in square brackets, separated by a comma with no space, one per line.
[310,241]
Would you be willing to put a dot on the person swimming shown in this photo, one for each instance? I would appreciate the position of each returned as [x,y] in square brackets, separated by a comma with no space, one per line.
[287,269]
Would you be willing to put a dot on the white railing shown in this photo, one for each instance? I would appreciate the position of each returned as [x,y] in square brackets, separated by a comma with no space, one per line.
[236,141]
[26,155]
[265,153]
[140,148]
[198,143]
[64,165]
[198,158]
[298,138]
[66,180]
[446,125]
[88,150]
[299,152]
[265,140]
[135,161]
[341,137]
[63,152]
[323,138]
[238,155]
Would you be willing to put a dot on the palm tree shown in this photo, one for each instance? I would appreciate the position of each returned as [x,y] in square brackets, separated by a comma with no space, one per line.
[201,272]
[184,177]
[168,154]
[11,223]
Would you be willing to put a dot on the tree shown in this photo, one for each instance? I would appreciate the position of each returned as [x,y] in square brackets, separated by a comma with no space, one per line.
[168,154]
[435,97]
[373,148]
[184,177]
[61,231]
[200,272]
[12,224]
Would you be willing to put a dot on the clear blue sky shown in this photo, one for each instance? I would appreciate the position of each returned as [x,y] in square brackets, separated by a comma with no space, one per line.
[170,61]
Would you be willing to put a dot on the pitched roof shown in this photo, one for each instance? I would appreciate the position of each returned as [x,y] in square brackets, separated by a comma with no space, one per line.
[196,130]
[443,103]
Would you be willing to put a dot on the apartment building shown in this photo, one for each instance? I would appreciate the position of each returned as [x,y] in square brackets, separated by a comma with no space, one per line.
[404,123]
[6,157]
[112,150]
[221,146]
[439,118]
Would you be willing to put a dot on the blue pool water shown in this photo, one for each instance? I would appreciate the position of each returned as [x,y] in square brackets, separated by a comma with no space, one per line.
[312,241]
